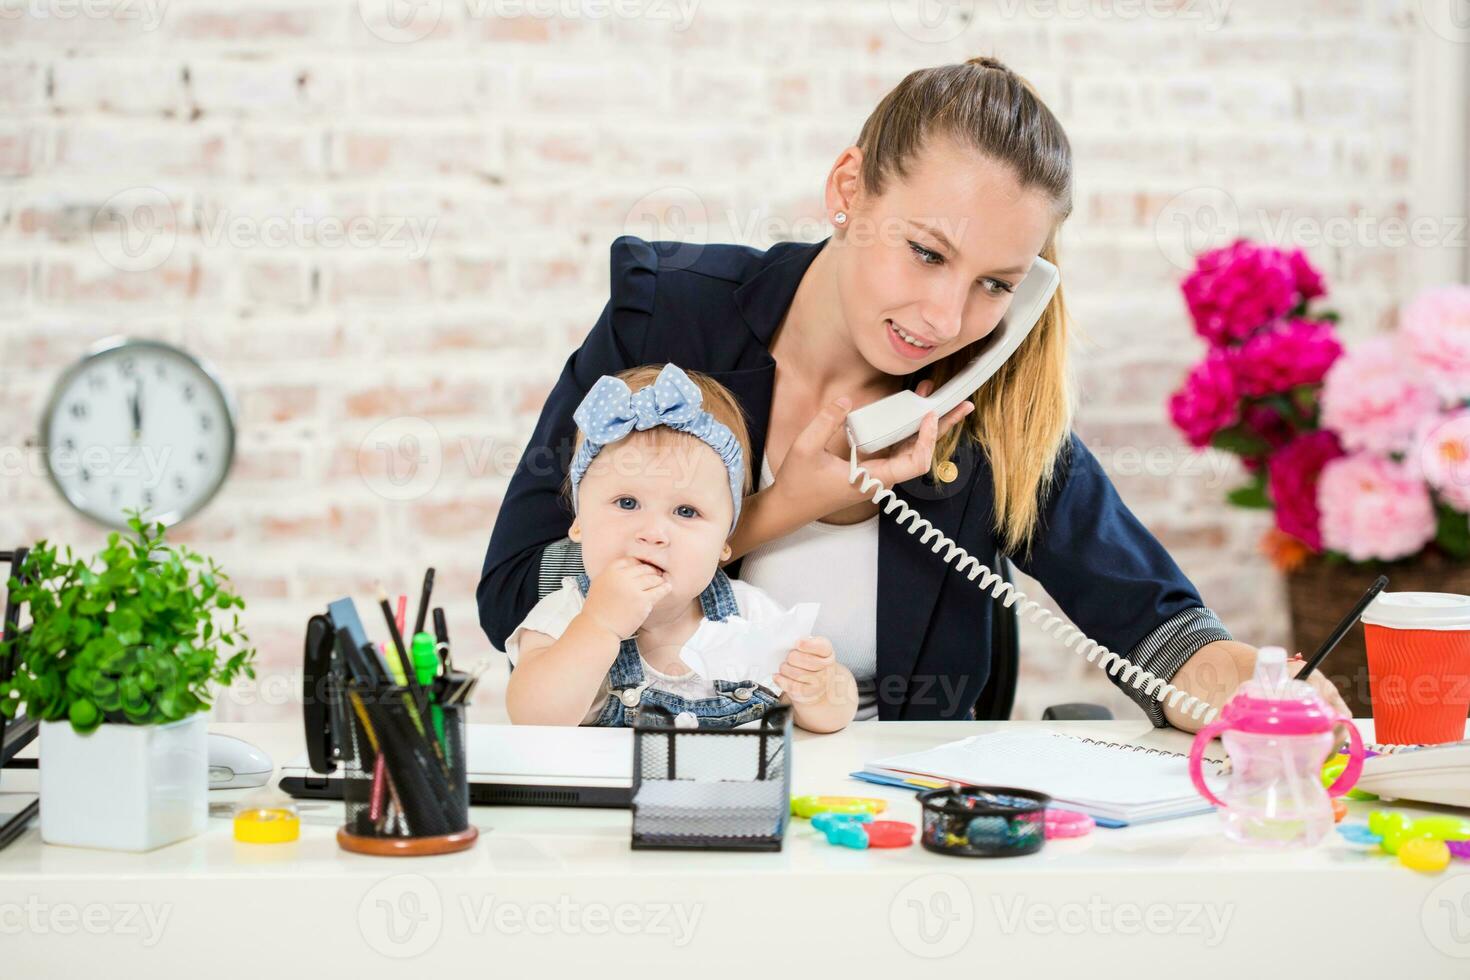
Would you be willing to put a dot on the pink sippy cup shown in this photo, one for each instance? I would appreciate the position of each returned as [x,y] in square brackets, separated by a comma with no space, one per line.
[1278,733]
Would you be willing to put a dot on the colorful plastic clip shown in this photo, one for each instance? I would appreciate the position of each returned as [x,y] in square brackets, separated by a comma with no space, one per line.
[810,806]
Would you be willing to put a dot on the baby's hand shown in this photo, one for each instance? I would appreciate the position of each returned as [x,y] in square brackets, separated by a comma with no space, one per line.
[807,673]
[621,598]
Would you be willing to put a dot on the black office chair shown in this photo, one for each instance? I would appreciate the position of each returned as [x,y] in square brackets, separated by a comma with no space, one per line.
[998,697]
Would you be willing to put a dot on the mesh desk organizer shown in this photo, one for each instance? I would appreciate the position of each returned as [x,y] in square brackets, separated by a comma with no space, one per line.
[712,789]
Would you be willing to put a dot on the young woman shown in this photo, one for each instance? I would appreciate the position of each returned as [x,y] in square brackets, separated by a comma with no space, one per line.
[960,177]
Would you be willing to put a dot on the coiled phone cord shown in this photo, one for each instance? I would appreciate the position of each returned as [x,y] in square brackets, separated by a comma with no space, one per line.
[999,588]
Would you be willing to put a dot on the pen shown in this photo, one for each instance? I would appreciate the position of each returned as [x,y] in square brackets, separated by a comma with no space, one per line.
[1346,624]
[410,676]
[402,612]
[441,635]
[428,590]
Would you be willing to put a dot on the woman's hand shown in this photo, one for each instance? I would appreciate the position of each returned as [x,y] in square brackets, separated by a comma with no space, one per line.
[813,478]
[1215,672]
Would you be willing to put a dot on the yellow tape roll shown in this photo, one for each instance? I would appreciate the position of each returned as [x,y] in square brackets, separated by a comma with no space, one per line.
[267,825]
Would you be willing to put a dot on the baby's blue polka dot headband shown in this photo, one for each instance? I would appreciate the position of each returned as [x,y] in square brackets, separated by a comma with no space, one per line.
[611,410]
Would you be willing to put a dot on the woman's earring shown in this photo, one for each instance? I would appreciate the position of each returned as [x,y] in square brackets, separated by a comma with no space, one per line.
[840,217]
[574,533]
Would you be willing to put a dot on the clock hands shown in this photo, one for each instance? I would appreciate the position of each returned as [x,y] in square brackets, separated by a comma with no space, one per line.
[135,404]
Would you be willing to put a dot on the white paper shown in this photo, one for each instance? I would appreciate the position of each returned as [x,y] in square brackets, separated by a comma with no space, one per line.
[739,650]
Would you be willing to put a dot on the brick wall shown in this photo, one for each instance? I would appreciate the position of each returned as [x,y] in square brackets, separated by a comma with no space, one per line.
[484,155]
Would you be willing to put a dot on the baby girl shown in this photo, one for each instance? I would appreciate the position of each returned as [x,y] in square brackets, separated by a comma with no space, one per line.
[656,482]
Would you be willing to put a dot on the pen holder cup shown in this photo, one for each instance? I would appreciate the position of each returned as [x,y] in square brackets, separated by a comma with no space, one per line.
[712,788]
[983,821]
[404,787]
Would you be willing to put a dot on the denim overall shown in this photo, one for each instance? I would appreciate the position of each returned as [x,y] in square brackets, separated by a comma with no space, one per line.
[739,701]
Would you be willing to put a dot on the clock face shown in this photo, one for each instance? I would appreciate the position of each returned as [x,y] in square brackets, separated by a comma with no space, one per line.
[138,425]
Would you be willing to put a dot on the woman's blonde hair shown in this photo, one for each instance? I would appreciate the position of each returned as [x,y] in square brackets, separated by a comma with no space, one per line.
[718,401]
[1023,414]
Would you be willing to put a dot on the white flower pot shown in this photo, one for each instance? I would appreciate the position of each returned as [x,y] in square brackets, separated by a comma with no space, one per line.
[124,787]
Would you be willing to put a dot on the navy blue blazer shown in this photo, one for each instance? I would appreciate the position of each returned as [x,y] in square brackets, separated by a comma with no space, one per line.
[714,308]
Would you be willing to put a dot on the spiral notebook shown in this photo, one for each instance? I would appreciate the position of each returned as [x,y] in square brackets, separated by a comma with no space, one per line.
[1112,780]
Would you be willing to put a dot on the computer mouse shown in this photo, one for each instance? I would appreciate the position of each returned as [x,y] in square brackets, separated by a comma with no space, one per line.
[235,763]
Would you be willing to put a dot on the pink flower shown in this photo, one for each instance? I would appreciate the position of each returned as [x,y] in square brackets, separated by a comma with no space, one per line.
[1208,400]
[1373,508]
[1266,422]
[1444,459]
[1235,290]
[1293,475]
[1308,279]
[1373,401]
[1298,352]
[1436,327]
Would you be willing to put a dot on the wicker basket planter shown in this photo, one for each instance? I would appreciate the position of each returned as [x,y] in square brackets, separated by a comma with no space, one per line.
[1322,592]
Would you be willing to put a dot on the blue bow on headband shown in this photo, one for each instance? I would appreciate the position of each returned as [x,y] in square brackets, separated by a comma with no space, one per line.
[611,410]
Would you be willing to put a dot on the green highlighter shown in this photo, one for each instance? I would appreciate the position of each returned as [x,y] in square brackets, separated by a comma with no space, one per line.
[425,666]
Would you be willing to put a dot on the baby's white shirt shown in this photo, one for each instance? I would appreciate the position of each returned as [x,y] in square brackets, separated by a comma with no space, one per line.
[556,610]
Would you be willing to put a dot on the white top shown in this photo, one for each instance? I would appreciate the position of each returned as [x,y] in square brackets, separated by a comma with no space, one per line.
[835,565]
[1419,611]
[555,612]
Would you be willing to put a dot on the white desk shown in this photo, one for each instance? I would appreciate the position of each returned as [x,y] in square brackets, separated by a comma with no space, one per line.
[545,889]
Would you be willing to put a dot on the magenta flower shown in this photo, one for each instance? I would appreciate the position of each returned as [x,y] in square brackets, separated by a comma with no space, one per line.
[1308,279]
[1373,400]
[1208,400]
[1436,328]
[1295,353]
[1293,473]
[1235,290]
[1373,508]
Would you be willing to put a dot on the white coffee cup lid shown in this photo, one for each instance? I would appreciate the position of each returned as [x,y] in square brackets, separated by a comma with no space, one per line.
[1419,611]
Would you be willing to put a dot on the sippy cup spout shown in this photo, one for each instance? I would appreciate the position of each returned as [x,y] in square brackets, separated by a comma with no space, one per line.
[1270,677]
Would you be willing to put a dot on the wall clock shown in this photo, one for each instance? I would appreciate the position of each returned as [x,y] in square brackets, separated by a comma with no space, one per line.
[138,424]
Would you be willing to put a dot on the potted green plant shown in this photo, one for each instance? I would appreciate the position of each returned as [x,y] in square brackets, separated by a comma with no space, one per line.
[117,665]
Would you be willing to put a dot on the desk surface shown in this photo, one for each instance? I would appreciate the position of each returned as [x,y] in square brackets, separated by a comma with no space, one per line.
[538,873]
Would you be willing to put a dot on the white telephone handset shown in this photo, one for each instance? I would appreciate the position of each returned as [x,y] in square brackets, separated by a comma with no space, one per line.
[881,424]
